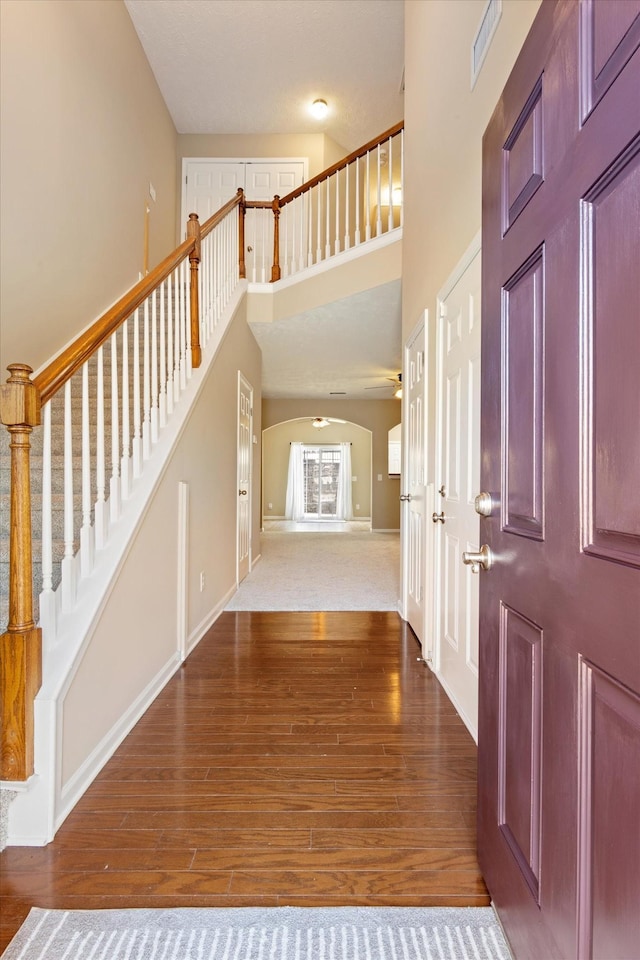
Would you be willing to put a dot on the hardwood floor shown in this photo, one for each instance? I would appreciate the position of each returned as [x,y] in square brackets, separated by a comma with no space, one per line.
[296,758]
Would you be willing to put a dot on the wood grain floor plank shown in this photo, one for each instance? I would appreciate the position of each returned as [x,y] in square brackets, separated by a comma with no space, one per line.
[303,759]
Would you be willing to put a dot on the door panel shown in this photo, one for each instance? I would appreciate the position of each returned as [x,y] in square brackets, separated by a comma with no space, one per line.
[209,186]
[243,517]
[559,730]
[414,484]
[458,477]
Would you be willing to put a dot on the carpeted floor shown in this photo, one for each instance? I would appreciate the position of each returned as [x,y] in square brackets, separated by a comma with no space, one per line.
[253,933]
[323,571]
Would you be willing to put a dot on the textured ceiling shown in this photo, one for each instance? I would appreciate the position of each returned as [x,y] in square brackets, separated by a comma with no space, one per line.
[354,342]
[253,66]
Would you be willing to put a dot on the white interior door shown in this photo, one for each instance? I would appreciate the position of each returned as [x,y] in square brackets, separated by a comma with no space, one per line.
[413,514]
[264,181]
[458,481]
[208,186]
[243,521]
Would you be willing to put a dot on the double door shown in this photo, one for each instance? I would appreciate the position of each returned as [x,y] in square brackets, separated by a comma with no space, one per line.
[209,183]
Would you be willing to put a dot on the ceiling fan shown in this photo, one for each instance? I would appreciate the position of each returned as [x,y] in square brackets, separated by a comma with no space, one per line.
[320,422]
[395,383]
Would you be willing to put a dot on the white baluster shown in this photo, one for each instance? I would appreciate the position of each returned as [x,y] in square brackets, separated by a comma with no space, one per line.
[390,182]
[176,335]
[146,385]
[163,359]
[86,530]
[47,596]
[68,582]
[336,246]
[327,226]
[187,321]
[170,354]
[358,200]
[309,208]
[402,176]
[367,197]
[100,512]
[154,368]
[125,461]
[114,483]
[183,329]
[284,232]
[137,399]
[347,217]
[379,191]
[204,298]
[318,192]
[264,247]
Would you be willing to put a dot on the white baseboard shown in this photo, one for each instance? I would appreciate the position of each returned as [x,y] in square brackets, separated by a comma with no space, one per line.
[471,727]
[207,622]
[84,776]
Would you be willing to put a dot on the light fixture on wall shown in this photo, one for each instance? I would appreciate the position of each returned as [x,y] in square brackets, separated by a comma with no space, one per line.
[319,423]
[319,109]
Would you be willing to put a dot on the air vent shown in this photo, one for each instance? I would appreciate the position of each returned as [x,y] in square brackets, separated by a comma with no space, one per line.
[484,36]
[337,393]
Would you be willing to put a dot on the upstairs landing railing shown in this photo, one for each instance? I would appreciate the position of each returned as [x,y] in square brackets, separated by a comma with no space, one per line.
[354,201]
[103,403]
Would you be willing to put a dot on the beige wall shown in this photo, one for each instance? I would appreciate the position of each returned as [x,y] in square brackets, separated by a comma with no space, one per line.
[84,131]
[139,623]
[444,122]
[378,416]
[276,444]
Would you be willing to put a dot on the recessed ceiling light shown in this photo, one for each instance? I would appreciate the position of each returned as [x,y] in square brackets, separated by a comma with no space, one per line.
[319,109]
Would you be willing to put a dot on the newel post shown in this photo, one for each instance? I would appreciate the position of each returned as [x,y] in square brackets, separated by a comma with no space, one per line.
[21,644]
[242,267]
[275,269]
[193,232]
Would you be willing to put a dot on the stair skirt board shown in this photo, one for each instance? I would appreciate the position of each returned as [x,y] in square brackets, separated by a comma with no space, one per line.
[41,806]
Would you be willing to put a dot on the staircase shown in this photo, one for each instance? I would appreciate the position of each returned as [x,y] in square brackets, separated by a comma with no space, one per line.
[98,450]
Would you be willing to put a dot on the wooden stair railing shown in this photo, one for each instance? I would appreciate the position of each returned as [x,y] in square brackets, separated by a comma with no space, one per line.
[21,402]
[22,399]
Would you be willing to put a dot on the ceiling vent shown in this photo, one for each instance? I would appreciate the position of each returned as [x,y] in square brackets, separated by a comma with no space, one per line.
[484,35]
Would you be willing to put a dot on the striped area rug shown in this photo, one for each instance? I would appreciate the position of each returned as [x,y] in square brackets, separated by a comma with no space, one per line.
[251,933]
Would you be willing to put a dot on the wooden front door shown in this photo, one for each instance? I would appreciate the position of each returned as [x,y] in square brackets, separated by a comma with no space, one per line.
[559,714]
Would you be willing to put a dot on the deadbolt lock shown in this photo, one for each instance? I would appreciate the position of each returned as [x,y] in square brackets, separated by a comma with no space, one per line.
[483,504]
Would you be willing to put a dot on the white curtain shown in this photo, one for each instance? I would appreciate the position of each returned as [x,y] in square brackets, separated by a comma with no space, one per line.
[294,507]
[344,506]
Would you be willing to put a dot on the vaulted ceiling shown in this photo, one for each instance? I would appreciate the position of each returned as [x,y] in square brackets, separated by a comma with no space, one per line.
[253,66]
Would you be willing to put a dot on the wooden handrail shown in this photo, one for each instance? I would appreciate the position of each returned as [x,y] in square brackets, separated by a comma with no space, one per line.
[341,164]
[21,399]
[70,360]
[218,217]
